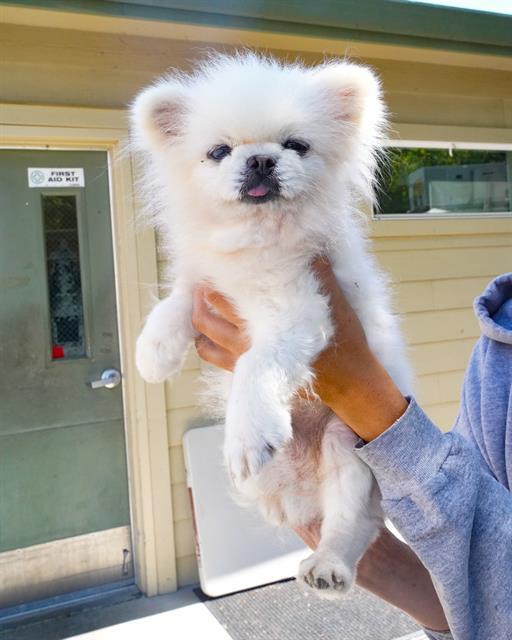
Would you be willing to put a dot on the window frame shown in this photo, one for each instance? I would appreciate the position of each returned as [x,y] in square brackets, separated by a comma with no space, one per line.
[83,249]
[449,145]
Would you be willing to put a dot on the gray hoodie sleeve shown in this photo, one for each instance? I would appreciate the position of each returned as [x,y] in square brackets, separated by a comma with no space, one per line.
[448,493]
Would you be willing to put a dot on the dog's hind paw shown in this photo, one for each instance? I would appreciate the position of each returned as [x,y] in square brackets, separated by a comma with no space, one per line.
[327,573]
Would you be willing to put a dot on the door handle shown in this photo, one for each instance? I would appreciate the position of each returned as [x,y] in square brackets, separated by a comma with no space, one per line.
[110,378]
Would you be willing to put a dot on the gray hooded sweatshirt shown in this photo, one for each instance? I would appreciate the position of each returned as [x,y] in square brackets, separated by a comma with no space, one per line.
[449,493]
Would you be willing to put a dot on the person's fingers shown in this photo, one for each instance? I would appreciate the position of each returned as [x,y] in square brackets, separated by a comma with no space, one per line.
[214,354]
[217,328]
[222,305]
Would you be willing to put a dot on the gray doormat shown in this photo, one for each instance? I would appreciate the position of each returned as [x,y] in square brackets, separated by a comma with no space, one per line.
[282,611]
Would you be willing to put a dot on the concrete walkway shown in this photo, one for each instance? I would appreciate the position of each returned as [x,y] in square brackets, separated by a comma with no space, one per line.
[183,615]
[192,621]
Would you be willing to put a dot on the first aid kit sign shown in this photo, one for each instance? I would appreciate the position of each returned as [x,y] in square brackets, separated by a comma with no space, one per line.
[60,177]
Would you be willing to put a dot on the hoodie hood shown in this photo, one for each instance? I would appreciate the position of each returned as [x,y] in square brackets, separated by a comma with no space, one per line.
[493,309]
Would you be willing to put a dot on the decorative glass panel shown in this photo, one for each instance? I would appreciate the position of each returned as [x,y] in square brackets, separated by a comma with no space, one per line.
[445,181]
[64,278]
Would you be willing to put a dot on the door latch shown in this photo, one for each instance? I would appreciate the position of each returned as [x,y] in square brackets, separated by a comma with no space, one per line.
[110,378]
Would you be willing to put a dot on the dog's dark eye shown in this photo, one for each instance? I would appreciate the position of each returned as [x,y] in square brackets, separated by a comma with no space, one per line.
[297,145]
[219,152]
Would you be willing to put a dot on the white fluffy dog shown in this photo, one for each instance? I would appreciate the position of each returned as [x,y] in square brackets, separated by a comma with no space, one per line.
[260,166]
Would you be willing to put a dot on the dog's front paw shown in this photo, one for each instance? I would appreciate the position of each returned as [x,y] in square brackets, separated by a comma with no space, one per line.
[246,455]
[157,360]
[327,573]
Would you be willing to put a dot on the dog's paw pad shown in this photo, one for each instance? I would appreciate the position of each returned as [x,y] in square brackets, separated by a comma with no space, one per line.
[326,573]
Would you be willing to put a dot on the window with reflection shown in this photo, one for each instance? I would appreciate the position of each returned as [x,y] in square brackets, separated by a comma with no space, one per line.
[445,181]
[60,223]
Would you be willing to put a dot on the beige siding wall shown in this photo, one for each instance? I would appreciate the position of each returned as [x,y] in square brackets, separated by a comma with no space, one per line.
[436,277]
[438,268]
[57,66]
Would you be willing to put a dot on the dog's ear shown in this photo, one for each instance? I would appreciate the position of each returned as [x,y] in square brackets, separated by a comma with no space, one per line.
[353,92]
[157,113]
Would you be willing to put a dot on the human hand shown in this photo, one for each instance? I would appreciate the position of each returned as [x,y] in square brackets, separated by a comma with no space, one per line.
[348,377]
[222,338]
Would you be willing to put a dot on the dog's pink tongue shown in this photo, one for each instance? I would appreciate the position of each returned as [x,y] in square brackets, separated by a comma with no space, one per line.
[259,191]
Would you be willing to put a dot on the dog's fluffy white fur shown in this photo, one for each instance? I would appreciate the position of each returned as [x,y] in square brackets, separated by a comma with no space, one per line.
[257,251]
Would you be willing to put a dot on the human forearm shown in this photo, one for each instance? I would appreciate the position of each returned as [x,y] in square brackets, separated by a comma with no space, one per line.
[349,378]
[456,517]
[390,570]
[369,403]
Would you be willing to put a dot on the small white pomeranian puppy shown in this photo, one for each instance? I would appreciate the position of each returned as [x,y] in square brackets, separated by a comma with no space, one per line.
[258,167]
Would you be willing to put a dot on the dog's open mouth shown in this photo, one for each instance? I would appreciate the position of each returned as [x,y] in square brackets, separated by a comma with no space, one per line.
[259,193]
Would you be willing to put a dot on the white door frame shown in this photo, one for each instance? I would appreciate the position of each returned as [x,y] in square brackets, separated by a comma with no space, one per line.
[135,260]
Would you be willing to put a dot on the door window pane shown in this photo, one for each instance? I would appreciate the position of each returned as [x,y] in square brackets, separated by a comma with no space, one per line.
[443,181]
[64,277]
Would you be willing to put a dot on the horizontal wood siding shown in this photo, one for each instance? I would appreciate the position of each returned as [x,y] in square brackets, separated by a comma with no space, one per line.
[435,280]
[59,66]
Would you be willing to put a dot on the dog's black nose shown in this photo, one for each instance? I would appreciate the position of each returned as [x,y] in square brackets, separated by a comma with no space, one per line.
[263,164]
